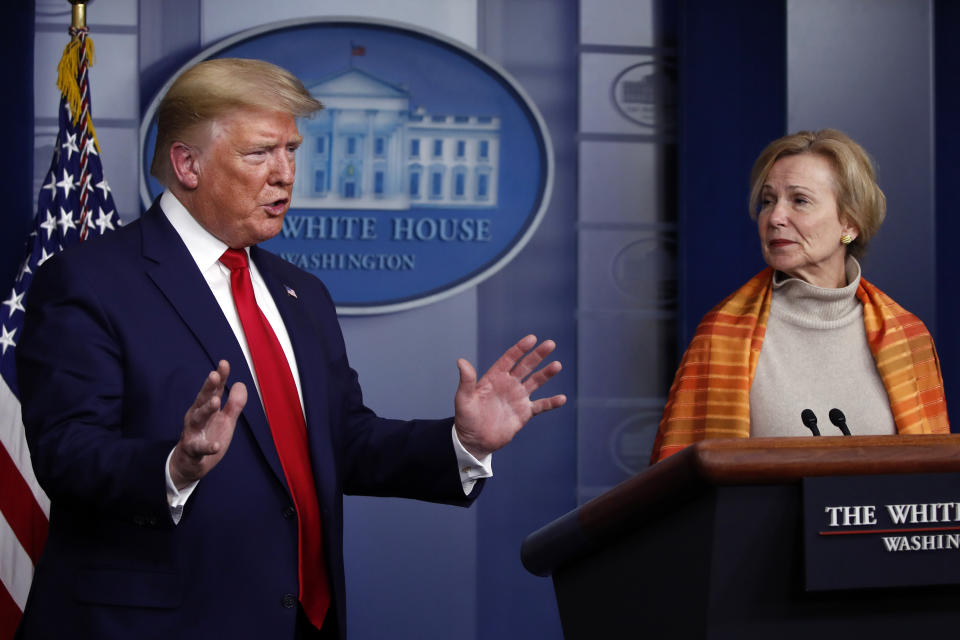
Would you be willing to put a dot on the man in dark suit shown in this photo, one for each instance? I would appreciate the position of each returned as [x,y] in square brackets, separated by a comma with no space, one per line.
[226,519]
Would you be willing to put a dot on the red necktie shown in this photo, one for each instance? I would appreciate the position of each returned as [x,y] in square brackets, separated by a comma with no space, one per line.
[282,406]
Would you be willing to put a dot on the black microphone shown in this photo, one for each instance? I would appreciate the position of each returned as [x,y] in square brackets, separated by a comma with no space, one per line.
[810,421]
[839,420]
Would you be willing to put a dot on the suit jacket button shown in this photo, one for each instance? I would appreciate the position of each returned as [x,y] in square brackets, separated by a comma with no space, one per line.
[289,601]
[289,512]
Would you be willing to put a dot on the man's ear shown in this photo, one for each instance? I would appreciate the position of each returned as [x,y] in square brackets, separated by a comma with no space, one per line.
[185,161]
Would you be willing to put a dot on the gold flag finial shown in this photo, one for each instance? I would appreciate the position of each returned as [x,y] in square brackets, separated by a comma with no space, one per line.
[80,13]
[77,55]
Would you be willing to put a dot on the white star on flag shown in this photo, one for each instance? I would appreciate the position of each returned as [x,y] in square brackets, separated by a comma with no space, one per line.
[66,221]
[66,184]
[103,185]
[6,340]
[44,256]
[91,147]
[49,225]
[104,221]
[15,302]
[70,145]
[51,185]
[24,269]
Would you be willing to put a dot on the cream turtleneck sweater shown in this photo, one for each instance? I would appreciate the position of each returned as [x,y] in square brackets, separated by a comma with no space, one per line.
[815,356]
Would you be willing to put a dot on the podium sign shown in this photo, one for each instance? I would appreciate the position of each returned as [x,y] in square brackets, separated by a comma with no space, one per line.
[881,530]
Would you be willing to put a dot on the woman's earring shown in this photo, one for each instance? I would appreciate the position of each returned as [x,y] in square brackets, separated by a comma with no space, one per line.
[846,238]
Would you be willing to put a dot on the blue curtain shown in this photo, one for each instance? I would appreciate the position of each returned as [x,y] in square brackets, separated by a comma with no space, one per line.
[17,117]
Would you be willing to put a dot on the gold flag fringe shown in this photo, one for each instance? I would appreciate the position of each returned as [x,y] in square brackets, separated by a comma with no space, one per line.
[67,72]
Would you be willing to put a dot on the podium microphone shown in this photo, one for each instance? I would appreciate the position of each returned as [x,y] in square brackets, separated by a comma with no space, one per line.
[839,420]
[810,421]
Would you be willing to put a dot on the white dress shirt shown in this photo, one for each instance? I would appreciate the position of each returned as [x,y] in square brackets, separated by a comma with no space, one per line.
[206,250]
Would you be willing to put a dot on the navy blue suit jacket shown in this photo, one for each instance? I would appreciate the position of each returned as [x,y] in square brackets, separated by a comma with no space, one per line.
[120,333]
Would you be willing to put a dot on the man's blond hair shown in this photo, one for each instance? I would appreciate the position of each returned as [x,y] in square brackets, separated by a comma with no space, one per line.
[212,89]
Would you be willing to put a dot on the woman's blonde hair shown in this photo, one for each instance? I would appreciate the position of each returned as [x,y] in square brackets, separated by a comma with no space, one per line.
[859,200]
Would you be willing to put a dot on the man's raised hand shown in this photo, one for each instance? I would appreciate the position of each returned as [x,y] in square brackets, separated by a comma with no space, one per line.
[490,411]
[207,429]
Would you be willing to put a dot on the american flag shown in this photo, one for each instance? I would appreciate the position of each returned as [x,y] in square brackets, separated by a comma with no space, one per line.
[74,203]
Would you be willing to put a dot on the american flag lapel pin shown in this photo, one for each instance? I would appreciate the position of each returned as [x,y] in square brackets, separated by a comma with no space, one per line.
[290,291]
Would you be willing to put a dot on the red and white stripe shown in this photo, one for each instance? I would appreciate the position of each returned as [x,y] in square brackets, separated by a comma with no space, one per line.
[24,510]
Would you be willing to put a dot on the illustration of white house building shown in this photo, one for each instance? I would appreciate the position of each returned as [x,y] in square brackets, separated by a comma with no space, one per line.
[367,150]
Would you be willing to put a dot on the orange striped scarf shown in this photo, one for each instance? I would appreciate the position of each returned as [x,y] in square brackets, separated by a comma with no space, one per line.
[710,395]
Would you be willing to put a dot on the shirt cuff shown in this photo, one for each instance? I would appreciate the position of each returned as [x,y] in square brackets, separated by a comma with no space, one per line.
[177,498]
[470,468]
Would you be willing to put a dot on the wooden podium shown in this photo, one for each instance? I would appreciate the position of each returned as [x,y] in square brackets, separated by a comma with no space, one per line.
[709,544]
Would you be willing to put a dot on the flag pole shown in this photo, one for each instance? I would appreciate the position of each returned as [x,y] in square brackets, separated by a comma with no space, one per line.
[74,85]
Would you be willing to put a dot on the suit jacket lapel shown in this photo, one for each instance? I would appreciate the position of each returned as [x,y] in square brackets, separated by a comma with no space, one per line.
[172,269]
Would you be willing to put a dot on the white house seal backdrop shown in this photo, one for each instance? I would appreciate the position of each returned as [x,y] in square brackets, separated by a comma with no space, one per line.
[425,173]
